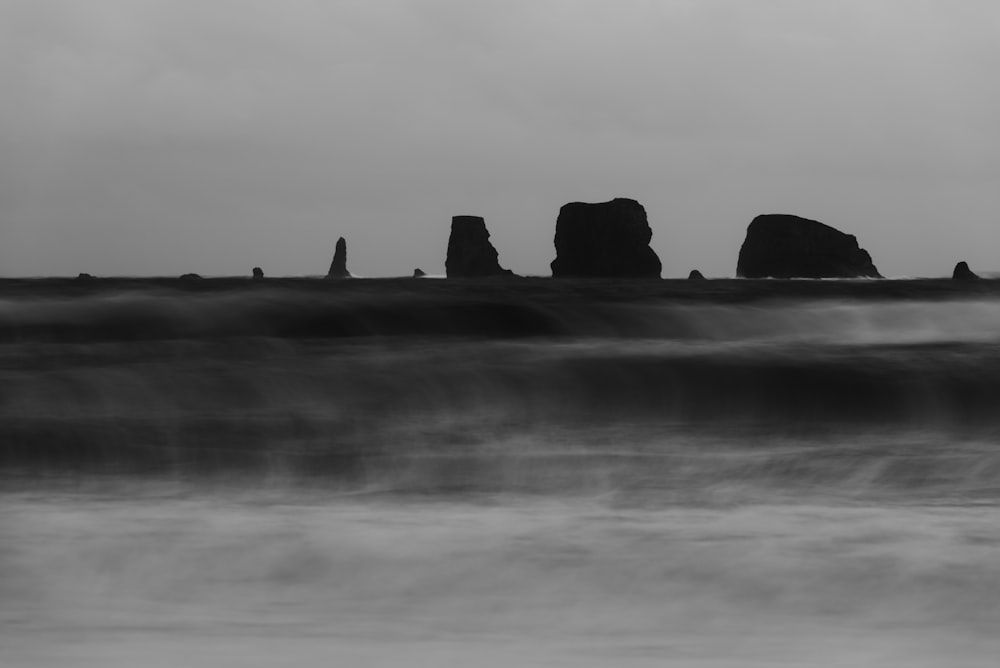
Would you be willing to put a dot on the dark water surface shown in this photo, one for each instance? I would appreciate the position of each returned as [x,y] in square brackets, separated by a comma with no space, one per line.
[530,473]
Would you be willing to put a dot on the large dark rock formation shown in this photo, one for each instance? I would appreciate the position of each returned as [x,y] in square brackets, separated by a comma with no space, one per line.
[258,273]
[338,268]
[610,239]
[783,246]
[470,253]
[963,273]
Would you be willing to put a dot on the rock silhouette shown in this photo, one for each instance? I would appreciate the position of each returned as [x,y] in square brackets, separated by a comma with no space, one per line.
[963,273]
[258,273]
[785,246]
[470,253]
[418,273]
[84,276]
[190,277]
[696,275]
[338,268]
[609,239]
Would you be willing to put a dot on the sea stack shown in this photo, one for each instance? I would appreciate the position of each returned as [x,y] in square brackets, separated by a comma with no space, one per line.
[696,275]
[338,268]
[605,240]
[418,273]
[784,246]
[963,273]
[470,253]
[258,273]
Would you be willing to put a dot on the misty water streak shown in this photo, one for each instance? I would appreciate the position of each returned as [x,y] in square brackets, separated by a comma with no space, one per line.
[499,473]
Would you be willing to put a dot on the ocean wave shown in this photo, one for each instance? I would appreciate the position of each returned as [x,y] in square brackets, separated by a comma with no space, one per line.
[465,383]
[373,309]
[326,406]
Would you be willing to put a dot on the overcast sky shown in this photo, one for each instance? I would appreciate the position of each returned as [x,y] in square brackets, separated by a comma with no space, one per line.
[157,137]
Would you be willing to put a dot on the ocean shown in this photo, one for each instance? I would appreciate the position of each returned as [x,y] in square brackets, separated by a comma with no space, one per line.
[523,472]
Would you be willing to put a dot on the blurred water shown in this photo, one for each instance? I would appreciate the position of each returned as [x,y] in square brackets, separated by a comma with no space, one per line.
[234,577]
[493,474]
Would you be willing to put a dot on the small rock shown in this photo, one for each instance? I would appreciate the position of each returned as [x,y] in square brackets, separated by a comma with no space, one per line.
[258,273]
[963,273]
[696,275]
[418,273]
[338,268]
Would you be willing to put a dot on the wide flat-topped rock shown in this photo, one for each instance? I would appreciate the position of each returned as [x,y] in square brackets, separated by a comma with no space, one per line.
[604,240]
[470,253]
[785,246]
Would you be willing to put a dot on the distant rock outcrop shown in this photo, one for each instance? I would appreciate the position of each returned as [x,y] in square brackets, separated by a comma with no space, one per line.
[338,268]
[696,275]
[84,276]
[784,246]
[258,273]
[470,253]
[963,273]
[609,239]
[190,277]
[418,273]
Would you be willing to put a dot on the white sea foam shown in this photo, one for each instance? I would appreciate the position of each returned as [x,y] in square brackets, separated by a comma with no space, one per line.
[204,579]
[837,322]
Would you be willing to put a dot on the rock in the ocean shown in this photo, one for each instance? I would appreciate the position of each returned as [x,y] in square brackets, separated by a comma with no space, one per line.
[696,275]
[470,253]
[784,246]
[963,273]
[610,239]
[338,268]
[418,273]
[190,277]
[84,276]
[258,273]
